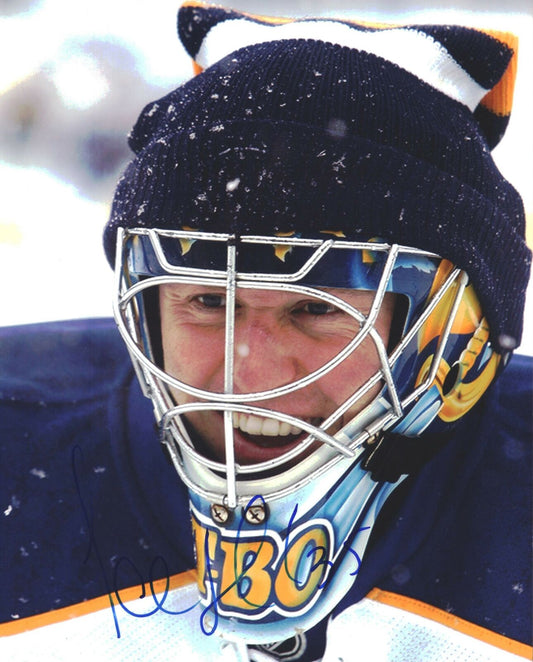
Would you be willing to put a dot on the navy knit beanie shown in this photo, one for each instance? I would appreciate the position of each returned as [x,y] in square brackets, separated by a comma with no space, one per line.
[316,125]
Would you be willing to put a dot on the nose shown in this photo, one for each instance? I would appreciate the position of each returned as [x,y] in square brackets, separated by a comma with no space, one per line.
[267,355]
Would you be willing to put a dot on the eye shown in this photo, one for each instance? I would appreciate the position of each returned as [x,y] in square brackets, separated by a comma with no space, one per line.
[210,300]
[318,308]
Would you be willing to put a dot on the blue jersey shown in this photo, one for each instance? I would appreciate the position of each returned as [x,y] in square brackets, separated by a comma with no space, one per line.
[96,528]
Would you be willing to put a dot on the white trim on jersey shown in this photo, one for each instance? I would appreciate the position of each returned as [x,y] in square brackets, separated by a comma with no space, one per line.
[384,627]
[377,629]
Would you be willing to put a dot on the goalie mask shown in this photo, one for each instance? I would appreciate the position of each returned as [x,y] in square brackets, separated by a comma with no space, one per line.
[304,301]
[284,498]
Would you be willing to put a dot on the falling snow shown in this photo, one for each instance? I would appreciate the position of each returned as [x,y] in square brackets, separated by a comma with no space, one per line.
[337,165]
[143,544]
[233,184]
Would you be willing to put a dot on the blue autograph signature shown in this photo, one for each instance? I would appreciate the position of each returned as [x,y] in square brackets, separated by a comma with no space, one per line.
[242,582]
[159,570]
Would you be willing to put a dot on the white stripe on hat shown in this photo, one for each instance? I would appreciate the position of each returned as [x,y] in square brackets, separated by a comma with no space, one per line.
[408,48]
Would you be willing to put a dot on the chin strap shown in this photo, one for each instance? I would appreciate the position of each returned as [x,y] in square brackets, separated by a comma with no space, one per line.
[393,455]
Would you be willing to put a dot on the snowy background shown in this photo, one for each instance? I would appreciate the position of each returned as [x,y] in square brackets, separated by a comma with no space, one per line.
[75,75]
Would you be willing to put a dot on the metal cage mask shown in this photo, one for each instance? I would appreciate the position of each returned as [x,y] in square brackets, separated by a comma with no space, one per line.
[431,286]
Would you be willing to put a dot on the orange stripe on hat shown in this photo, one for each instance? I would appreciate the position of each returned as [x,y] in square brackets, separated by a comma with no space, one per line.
[500,99]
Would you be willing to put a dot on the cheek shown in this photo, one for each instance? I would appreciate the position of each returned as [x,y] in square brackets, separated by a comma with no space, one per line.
[193,356]
[352,373]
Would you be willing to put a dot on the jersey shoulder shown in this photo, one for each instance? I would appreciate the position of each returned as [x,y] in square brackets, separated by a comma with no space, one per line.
[57,361]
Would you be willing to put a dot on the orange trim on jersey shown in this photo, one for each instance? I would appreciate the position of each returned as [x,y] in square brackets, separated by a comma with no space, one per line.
[450,620]
[92,606]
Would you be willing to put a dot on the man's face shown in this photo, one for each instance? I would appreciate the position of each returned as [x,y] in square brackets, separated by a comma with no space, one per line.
[279,337]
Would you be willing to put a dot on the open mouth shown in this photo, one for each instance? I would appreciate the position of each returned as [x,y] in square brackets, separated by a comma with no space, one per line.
[263,426]
[269,432]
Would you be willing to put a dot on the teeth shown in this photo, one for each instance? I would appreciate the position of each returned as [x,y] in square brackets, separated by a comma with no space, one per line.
[268,427]
[252,425]
[285,429]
